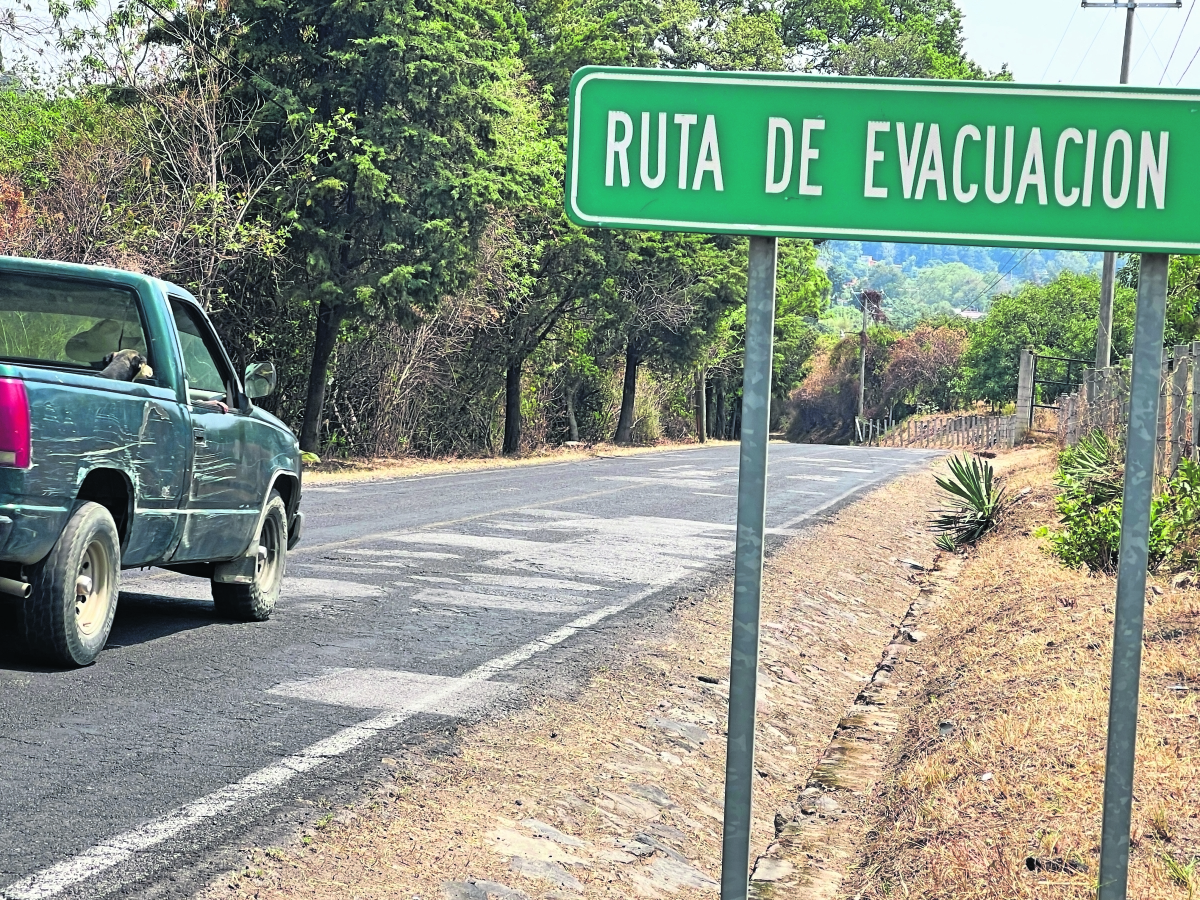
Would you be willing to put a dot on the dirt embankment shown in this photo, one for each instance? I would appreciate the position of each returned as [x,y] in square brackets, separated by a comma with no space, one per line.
[616,792]
[995,781]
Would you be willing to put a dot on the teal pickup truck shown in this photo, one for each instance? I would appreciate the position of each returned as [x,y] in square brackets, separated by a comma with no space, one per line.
[127,440]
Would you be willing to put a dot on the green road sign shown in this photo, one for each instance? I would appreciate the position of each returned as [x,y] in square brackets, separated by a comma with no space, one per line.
[915,161]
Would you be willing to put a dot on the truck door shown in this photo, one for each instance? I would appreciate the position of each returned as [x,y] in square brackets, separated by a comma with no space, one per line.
[224,497]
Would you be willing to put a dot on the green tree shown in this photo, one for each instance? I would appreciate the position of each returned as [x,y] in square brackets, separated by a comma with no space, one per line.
[389,221]
[1183,295]
[1057,319]
[898,38]
[801,295]
[667,296]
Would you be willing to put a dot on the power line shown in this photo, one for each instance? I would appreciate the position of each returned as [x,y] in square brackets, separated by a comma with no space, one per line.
[1088,52]
[1191,9]
[1054,55]
[1149,40]
[999,278]
[1189,65]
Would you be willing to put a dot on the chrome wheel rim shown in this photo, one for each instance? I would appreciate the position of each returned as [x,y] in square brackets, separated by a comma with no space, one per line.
[93,589]
[268,570]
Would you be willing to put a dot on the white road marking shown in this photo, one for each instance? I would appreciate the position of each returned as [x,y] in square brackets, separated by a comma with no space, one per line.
[680,481]
[494,601]
[512,525]
[362,567]
[404,554]
[550,514]
[812,477]
[114,851]
[529,583]
[327,588]
[849,469]
[394,691]
[454,539]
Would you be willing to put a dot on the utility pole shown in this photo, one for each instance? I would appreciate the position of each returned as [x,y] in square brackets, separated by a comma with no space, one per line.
[1108,277]
[862,356]
[872,305]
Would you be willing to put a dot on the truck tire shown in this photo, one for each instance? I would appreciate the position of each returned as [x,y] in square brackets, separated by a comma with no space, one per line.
[69,613]
[254,602]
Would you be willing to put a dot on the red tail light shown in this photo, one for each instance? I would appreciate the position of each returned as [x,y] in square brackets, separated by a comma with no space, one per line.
[14,424]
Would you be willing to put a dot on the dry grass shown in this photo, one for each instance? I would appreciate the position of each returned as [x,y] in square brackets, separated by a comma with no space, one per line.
[582,761]
[1019,668]
[336,471]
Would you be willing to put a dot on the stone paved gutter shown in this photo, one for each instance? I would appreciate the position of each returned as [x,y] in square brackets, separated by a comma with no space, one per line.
[613,787]
[817,839]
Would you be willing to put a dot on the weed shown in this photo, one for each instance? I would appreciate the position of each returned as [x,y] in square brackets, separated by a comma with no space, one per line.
[1160,825]
[1183,874]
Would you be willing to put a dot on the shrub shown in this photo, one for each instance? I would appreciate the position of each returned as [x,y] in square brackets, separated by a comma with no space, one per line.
[975,505]
[1175,521]
[1090,480]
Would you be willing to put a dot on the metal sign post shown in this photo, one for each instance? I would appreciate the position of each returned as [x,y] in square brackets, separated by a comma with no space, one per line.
[1140,450]
[980,163]
[747,577]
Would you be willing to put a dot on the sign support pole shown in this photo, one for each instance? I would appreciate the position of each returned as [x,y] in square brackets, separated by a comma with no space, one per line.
[747,580]
[1140,451]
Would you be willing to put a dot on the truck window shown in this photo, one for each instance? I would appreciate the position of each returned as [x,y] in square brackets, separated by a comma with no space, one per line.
[207,375]
[65,323]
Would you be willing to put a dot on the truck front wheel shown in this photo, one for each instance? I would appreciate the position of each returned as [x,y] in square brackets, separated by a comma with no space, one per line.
[69,612]
[255,601]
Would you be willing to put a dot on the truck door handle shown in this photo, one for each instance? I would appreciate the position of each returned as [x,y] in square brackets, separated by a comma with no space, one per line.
[201,440]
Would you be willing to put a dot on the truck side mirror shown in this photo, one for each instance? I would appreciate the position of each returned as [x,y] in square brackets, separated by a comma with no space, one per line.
[260,379]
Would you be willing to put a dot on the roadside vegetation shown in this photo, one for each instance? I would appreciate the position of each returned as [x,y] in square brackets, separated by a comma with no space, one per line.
[371,197]
[1090,480]
[997,775]
[976,503]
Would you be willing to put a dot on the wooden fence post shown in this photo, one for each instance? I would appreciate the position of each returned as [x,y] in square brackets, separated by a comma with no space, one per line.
[1179,386]
[1160,463]
[1195,400]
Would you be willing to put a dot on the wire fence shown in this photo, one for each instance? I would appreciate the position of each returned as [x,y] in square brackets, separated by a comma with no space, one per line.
[1101,403]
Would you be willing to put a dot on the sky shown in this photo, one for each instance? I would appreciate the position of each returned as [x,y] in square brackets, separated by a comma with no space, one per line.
[1057,41]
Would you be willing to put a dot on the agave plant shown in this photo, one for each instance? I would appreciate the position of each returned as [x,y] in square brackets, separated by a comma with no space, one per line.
[975,503]
[1093,470]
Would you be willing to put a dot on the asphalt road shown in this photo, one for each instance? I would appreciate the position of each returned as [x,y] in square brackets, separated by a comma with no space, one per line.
[410,605]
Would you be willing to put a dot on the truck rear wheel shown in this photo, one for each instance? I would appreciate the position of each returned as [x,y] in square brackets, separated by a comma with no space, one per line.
[254,602]
[69,613]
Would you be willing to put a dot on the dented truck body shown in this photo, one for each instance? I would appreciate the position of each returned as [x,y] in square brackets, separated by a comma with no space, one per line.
[183,461]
